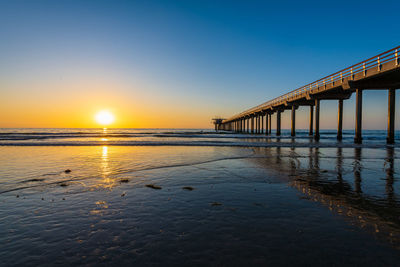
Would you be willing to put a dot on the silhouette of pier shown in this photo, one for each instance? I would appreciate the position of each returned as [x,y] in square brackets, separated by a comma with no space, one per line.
[381,72]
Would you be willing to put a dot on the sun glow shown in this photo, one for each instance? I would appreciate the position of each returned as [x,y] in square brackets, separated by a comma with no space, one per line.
[104,117]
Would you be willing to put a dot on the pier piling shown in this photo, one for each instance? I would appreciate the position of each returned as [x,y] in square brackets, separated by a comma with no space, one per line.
[311,131]
[262,123]
[270,124]
[391,116]
[340,120]
[316,135]
[293,128]
[358,136]
[278,123]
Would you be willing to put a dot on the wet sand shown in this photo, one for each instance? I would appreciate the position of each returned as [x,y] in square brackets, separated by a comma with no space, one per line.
[264,206]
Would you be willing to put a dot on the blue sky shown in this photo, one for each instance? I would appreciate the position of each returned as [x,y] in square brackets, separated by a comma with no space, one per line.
[191,59]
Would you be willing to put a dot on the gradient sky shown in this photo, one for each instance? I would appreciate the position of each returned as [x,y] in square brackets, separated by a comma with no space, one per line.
[180,63]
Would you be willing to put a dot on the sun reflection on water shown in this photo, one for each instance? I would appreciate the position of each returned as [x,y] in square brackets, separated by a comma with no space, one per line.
[107,181]
[104,154]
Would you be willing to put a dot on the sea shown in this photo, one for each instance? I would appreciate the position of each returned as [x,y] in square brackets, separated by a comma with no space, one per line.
[197,197]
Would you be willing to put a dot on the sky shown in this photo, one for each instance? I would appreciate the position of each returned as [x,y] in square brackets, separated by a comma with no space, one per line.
[177,64]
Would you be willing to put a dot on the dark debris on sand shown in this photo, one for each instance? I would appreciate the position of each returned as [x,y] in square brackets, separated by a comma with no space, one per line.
[63,184]
[67,171]
[35,180]
[189,188]
[124,180]
[153,186]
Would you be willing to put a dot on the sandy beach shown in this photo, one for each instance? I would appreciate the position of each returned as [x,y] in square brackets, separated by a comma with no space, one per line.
[219,206]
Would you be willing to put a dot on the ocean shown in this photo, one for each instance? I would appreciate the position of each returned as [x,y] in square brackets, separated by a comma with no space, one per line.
[180,137]
[180,197]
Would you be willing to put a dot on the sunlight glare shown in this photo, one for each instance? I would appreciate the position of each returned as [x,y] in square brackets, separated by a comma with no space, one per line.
[104,117]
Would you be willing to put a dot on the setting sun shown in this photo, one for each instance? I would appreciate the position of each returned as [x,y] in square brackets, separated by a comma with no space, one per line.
[104,117]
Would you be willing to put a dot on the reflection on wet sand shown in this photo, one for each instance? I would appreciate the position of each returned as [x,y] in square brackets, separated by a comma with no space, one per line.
[357,170]
[389,168]
[106,181]
[379,215]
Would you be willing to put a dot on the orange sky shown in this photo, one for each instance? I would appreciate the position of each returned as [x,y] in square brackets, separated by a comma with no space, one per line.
[50,105]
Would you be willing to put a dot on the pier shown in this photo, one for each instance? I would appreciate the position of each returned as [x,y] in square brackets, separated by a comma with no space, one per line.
[381,72]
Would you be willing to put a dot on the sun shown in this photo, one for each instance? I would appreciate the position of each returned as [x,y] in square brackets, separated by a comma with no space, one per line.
[104,117]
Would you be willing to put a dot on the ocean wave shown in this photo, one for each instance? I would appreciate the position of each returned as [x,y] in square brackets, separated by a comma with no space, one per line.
[182,137]
[201,143]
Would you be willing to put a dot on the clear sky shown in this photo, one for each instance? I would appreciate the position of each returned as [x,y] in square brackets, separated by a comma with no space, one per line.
[180,63]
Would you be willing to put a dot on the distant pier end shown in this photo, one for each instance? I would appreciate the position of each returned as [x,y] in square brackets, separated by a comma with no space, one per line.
[381,72]
[217,123]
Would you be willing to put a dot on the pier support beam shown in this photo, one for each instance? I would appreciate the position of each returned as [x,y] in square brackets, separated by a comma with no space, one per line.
[358,136]
[262,124]
[278,123]
[340,120]
[270,124]
[317,103]
[252,124]
[311,131]
[293,128]
[266,124]
[258,124]
[391,115]
[248,126]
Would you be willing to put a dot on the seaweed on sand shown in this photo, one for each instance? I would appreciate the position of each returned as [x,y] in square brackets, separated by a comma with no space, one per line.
[153,186]
[189,188]
[34,180]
